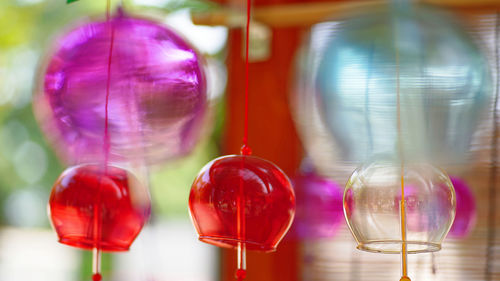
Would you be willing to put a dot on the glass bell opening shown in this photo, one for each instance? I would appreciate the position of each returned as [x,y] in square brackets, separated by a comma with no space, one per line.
[373,203]
[230,242]
[395,246]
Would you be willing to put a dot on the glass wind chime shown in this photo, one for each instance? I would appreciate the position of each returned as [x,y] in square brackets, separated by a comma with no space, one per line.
[126,91]
[319,213]
[402,206]
[242,201]
[401,89]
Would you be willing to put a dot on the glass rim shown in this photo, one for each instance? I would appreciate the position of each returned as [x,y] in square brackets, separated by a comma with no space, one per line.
[376,246]
[81,242]
[232,243]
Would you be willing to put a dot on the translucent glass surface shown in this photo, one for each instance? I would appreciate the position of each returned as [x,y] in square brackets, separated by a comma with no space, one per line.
[372,201]
[350,72]
[95,208]
[466,212]
[242,199]
[157,92]
[319,207]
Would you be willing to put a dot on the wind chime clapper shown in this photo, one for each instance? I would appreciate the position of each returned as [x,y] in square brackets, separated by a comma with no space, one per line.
[241,201]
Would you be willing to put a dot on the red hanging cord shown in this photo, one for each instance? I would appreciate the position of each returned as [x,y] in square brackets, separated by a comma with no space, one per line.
[108,84]
[96,276]
[245,149]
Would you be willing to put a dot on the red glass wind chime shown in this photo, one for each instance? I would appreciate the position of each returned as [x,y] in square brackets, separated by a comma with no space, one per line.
[242,201]
[123,90]
[99,207]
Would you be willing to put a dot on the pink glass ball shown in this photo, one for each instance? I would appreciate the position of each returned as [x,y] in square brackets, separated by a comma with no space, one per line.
[466,216]
[242,199]
[157,98]
[319,207]
[93,208]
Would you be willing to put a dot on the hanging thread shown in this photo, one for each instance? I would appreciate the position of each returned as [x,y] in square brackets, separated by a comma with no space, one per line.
[367,97]
[106,140]
[97,253]
[404,253]
[245,149]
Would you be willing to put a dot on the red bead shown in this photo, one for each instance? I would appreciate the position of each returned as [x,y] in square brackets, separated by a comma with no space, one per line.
[121,203]
[227,184]
[241,274]
[96,277]
[246,150]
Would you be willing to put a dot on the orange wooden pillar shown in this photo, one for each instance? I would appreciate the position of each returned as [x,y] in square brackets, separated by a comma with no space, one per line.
[271,136]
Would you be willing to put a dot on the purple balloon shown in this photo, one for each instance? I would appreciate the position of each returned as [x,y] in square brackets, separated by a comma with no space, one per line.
[319,210]
[465,217]
[157,99]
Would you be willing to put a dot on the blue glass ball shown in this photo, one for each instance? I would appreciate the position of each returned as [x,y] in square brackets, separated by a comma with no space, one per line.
[357,68]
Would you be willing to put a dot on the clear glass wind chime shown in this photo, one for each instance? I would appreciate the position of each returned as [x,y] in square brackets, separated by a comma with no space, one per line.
[402,88]
[402,204]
